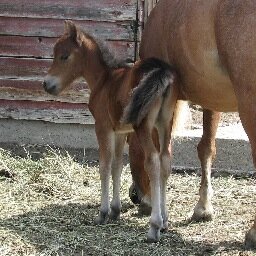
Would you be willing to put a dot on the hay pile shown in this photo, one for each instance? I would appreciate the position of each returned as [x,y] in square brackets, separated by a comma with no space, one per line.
[48,204]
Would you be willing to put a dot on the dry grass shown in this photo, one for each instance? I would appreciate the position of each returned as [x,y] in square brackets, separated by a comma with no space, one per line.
[48,207]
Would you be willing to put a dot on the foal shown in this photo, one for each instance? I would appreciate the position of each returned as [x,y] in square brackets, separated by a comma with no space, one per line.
[123,99]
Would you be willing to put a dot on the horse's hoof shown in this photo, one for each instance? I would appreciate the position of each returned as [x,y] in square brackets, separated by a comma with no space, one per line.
[202,217]
[153,235]
[101,219]
[202,214]
[250,239]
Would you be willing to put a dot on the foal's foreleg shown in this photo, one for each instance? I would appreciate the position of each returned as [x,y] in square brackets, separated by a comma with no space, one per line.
[117,166]
[206,152]
[106,152]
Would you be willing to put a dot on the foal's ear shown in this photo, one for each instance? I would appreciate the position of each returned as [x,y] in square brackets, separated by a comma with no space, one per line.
[70,29]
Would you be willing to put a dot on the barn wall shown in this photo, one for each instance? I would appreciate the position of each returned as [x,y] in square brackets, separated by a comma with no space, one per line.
[28,31]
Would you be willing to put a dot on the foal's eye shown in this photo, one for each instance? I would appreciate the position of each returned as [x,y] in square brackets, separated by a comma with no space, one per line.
[64,57]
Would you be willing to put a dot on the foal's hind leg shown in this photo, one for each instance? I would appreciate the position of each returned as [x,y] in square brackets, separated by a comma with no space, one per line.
[117,166]
[152,166]
[206,153]
[164,132]
[106,151]
[164,126]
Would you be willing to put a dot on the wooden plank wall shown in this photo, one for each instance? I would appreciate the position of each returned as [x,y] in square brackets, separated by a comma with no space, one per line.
[28,31]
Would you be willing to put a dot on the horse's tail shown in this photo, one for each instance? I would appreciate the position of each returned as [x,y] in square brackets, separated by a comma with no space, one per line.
[157,78]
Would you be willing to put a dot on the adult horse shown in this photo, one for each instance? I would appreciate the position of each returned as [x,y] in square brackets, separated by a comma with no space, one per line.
[212,44]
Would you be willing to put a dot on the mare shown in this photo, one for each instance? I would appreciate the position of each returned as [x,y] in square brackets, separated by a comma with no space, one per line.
[212,45]
[122,100]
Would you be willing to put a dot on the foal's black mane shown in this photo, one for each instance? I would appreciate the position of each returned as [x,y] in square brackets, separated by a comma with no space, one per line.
[108,57]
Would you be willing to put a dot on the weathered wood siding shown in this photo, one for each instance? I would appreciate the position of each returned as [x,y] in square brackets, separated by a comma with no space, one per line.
[28,31]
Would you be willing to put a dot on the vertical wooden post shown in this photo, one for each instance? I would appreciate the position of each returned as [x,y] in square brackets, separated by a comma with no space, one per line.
[148,7]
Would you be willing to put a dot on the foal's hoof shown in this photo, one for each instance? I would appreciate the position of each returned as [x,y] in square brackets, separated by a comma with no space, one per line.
[165,227]
[101,219]
[114,214]
[250,239]
[153,235]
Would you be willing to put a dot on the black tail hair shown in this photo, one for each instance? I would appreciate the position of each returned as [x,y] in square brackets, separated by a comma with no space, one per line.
[157,77]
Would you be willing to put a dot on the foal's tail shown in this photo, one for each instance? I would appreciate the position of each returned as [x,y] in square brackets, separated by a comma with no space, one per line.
[158,76]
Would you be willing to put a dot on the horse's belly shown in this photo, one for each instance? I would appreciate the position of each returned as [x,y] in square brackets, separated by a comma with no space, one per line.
[209,87]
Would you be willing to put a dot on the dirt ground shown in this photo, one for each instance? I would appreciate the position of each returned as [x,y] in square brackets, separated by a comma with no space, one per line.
[47,208]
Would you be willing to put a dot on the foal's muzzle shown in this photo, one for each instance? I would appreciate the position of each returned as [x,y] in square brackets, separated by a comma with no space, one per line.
[50,85]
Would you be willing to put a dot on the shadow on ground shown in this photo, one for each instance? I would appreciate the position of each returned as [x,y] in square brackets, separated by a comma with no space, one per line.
[69,230]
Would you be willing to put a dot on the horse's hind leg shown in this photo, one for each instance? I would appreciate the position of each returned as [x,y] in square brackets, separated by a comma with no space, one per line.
[117,166]
[247,112]
[206,153]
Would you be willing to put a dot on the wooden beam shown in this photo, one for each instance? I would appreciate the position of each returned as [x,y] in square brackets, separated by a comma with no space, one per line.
[43,47]
[40,27]
[107,10]
[45,111]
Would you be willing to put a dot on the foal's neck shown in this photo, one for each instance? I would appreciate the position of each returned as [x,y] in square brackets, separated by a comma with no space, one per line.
[96,70]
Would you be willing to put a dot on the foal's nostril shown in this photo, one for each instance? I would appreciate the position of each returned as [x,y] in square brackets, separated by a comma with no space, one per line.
[50,88]
[44,84]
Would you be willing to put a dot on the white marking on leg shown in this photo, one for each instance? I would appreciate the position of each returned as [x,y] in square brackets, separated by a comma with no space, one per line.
[204,208]
[156,221]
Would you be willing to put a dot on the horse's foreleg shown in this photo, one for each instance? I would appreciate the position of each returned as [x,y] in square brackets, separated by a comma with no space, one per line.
[106,152]
[117,166]
[206,153]
[152,166]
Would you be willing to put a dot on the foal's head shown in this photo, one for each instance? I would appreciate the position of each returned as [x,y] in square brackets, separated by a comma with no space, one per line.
[68,63]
